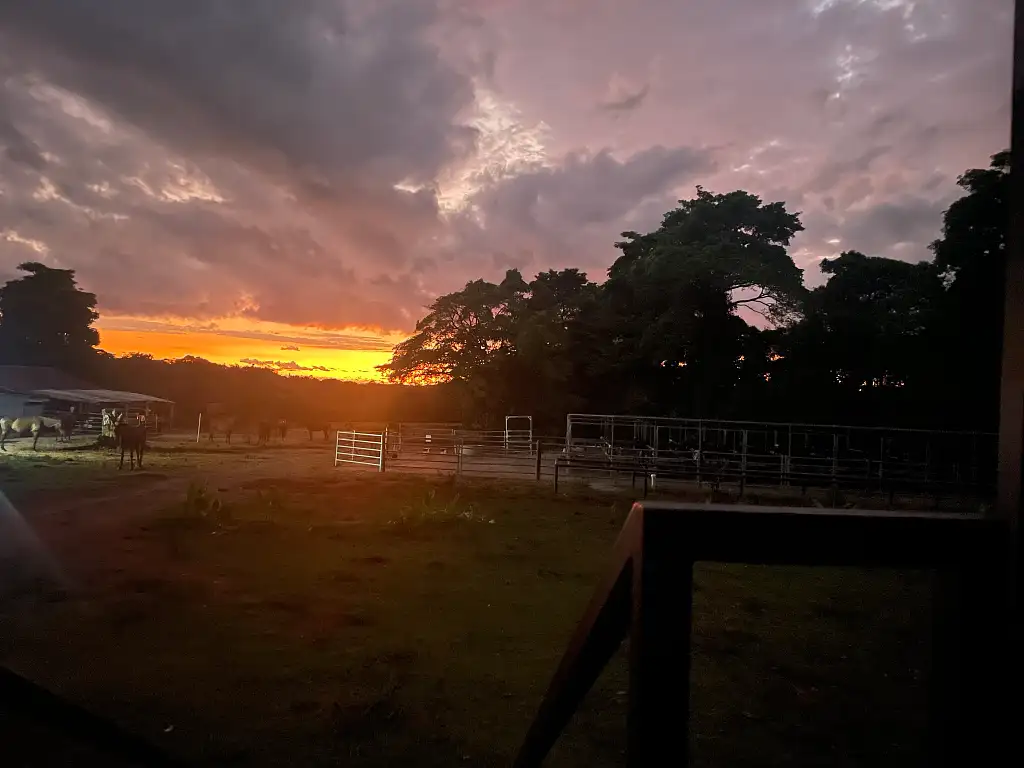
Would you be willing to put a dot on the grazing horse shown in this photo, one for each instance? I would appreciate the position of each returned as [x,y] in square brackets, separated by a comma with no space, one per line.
[225,424]
[263,429]
[319,427]
[282,428]
[22,425]
[130,437]
[66,427]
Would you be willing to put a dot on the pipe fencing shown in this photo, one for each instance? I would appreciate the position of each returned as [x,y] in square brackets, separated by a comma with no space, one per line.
[364,449]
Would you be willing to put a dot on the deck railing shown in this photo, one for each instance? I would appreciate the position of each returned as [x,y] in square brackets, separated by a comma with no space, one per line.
[647,594]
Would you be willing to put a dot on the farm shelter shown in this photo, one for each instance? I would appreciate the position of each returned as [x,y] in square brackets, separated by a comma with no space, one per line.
[90,403]
[14,404]
[59,392]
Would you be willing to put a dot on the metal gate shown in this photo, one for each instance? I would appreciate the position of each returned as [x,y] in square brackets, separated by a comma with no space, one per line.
[364,449]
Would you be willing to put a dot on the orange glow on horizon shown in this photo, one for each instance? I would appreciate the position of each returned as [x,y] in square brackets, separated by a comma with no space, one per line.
[351,364]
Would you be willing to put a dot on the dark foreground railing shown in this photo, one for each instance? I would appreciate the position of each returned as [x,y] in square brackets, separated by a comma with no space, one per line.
[648,592]
[30,701]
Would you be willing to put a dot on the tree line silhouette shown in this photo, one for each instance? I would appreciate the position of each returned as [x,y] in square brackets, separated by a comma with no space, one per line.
[706,316]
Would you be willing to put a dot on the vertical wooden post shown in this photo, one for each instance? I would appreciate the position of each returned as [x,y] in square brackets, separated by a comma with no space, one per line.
[1011,419]
[199,428]
[658,719]
[538,466]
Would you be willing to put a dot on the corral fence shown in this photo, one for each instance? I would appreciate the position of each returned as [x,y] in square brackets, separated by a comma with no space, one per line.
[768,454]
[363,449]
[675,454]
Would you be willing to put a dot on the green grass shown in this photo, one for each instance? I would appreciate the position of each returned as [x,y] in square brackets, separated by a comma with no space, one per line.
[392,621]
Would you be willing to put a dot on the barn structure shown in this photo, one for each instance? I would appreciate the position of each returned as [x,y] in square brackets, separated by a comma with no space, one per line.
[30,390]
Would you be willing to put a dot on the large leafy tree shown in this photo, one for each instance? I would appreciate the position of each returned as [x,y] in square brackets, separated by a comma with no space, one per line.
[866,339]
[879,313]
[675,297]
[46,319]
[972,255]
[507,346]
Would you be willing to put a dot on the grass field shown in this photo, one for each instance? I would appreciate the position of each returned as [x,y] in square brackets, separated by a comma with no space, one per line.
[261,609]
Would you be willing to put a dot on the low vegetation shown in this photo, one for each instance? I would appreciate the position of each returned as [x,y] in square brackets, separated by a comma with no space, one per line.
[381,621]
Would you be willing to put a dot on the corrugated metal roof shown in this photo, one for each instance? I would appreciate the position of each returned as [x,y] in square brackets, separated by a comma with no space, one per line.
[98,396]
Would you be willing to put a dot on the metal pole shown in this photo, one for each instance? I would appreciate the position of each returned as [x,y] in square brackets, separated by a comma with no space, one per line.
[743,463]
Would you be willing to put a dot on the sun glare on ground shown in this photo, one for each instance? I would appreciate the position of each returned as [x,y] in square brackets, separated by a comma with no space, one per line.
[342,354]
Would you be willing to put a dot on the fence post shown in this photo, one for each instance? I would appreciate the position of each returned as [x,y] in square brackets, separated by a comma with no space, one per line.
[556,475]
[538,468]
[380,456]
[384,438]
[743,465]
[458,457]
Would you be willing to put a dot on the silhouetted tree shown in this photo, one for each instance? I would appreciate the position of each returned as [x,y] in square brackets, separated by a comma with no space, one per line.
[972,255]
[674,295]
[46,319]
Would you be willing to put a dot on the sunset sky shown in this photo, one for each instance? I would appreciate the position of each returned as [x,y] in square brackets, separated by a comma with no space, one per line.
[288,184]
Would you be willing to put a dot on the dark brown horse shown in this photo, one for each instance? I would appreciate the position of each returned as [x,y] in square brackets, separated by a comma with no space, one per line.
[318,427]
[66,427]
[131,437]
[282,428]
[25,425]
[223,424]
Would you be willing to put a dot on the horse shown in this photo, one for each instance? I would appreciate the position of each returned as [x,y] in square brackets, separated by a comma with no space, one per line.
[225,424]
[131,437]
[22,425]
[319,427]
[282,428]
[263,429]
[66,427]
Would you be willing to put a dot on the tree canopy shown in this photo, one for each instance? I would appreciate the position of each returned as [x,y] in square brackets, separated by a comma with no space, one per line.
[670,332]
[46,319]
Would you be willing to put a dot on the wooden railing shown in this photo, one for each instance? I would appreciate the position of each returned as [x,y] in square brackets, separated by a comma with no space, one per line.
[647,594]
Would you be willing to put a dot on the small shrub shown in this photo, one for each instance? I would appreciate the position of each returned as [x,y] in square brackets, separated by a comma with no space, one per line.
[201,503]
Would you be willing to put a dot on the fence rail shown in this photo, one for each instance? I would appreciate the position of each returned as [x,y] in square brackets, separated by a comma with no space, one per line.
[360,448]
[499,454]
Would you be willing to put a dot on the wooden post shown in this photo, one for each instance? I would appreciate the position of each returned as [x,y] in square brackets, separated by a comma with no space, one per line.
[538,467]
[1011,419]
[199,428]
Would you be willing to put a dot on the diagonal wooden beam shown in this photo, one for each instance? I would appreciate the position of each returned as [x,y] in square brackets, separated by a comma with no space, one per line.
[596,639]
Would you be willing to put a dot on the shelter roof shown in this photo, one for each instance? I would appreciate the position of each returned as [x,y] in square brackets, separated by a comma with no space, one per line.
[99,396]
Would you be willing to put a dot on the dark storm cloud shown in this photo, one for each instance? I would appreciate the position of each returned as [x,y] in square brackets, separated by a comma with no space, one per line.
[909,222]
[345,89]
[623,100]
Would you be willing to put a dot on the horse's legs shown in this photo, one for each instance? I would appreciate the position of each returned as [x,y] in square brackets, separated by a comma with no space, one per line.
[35,438]
[121,465]
[3,438]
